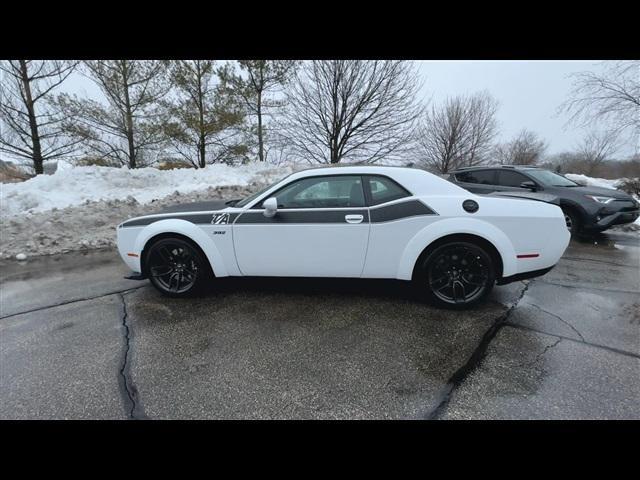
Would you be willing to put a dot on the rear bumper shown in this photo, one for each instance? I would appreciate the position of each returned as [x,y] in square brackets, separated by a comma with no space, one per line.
[524,276]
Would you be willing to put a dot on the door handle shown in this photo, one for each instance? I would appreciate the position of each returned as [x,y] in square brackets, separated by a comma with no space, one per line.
[354,218]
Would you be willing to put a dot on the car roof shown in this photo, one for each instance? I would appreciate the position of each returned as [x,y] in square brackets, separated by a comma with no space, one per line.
[487,167]
[417,181]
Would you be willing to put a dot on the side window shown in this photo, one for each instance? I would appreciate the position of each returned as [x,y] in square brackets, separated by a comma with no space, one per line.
[483,177]
[338,191]
[508,178]
[385,190]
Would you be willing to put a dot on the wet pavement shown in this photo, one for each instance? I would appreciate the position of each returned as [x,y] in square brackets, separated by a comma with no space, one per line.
[79,341]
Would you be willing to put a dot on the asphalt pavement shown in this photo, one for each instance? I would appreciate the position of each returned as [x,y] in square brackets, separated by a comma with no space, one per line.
[77,340]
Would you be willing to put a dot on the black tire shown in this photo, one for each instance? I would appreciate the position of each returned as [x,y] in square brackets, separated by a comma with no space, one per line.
[572,221]
[456,275]
[177,267]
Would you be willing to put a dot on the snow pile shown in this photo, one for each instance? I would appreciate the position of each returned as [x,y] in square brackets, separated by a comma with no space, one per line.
[593,182]
[70,185]
[90,225]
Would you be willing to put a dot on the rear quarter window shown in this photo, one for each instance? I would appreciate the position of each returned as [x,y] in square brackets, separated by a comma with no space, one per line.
[483,177]
[383,189]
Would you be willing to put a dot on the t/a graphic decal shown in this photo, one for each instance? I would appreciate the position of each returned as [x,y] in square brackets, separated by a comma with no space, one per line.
[220,218]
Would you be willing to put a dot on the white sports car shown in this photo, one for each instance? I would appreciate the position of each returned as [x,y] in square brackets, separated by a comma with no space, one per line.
[354,221]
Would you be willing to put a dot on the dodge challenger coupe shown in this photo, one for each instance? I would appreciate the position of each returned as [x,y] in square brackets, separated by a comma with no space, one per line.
[351,221]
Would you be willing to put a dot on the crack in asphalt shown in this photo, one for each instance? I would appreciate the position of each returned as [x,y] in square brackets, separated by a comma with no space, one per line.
[474,361]
[128,390]
[559,318]
[594,345]
[541,354]
[68,302]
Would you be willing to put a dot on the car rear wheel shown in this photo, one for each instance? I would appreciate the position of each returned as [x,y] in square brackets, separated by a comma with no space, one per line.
[457,275]
[571,220]
[176,267]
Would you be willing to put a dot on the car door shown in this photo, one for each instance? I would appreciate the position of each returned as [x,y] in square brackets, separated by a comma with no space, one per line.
[477,181]
[321,229]
[510,180]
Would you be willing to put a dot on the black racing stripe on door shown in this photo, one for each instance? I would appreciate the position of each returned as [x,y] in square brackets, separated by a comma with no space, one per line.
[309,216]
[412,208]
[198,219]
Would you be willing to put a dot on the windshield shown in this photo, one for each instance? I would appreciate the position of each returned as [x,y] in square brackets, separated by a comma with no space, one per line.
[551,179]
[253,196]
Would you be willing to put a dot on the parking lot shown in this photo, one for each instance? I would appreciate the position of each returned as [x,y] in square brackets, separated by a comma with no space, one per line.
[77,340]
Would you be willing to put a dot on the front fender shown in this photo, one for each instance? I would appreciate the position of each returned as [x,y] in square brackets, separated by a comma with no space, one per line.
[189,230]
[451,226]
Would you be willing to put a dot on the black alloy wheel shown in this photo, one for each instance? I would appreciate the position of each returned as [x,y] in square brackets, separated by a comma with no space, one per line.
[458,274]
[176,267]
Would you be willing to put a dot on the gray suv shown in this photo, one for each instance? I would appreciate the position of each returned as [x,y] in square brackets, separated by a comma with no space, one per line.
[586,209]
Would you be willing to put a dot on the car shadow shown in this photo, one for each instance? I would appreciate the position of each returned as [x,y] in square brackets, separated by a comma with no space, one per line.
[378,288]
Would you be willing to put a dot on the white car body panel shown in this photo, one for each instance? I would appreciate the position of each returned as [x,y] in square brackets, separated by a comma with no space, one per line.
[324,250]
[378,247]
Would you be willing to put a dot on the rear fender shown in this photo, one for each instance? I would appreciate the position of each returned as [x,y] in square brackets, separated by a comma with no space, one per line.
[452,226]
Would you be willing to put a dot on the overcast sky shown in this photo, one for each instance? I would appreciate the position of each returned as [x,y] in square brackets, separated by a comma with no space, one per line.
[529,93]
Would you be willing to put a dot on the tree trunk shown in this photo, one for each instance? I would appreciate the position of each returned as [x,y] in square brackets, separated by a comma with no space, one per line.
[202,152]
[129,118]
[202,148]
[33,123]
[260,137]
[335,157]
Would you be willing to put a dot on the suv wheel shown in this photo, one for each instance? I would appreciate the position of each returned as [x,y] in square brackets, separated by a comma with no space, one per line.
[572,221]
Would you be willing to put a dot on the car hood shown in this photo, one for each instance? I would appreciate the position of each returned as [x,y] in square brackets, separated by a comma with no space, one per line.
[599,191]
[208,206]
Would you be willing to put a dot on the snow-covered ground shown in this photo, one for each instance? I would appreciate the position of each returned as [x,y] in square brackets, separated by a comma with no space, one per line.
[78,208]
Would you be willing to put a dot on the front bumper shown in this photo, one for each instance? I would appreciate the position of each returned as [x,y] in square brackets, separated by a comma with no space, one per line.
[606,220]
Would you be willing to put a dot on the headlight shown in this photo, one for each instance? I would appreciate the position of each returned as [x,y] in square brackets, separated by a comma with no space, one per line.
[600,199]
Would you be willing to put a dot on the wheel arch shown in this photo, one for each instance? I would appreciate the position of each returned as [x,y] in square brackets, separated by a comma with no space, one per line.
[575,207]
[461,237]
[471,229]
[187,231]
[160,236]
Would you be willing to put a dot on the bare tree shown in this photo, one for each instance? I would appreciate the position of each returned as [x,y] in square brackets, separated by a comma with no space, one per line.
[132,122]
[30,127]
[352,110]
[597,147]
[459,132]
[205,118]
[525,149]
[612,96]
[257,86]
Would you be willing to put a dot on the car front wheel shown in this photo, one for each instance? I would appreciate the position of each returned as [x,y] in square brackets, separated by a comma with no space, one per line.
[572,221]
[176,267]
[457,275]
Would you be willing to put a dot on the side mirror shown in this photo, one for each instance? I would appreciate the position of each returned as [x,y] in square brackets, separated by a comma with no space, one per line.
[529,184]
[270,207]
